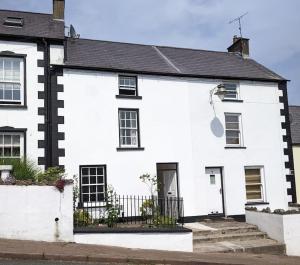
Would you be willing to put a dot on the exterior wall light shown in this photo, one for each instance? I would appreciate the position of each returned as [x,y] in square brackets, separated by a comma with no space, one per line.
[219,90]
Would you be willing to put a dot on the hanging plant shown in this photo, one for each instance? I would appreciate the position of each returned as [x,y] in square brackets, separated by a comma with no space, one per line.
[60,184]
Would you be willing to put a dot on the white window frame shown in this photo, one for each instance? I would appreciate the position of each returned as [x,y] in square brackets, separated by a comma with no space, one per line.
[262,184]
[21,145]
[237,97]
[96,184]
[131,128]
[128,87]
[239,130]
[19,82]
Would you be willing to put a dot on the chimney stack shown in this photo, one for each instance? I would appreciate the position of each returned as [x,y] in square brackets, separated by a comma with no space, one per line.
[59,9]
[240,45]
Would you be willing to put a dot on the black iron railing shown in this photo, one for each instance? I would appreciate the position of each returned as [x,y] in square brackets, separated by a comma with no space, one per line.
[130,211]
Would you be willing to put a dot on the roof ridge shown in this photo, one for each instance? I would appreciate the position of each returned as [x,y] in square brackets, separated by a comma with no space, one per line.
[158,46]
[28,12]
[168,60]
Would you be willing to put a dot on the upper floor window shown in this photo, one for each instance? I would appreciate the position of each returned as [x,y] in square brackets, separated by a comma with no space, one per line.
[231,91]
[128,85]
[11,145]
[11,80]
[233,129]
[129,128]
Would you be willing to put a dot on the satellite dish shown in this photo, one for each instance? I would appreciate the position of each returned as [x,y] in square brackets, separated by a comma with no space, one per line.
[73,33]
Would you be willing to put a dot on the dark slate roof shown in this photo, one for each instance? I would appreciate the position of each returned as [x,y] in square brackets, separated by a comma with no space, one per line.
[295,123]
[35,25]
[163,60]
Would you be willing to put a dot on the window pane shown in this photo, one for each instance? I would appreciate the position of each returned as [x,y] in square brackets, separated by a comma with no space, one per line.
[16,70]
[85,197]
[100,197]
[232,141]
[92,179]
[231,118]
[16,151]
[100,179]
[85,171]
[7,139]
[8,94]
[8,74]
[16,95]
[232,134]
[1,151]
[100,171]
[100,188]
[93,197]
[7,151]
[92,171]
[1,139]
[85,189]
[85,180]
[93,189]
[1,93]
[232,125]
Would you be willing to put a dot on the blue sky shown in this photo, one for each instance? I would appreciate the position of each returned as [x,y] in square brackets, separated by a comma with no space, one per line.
[272,26]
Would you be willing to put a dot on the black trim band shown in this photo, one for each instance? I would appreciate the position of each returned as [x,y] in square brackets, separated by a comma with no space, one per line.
[282,86]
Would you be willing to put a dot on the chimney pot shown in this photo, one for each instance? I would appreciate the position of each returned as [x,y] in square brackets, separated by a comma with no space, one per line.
[59,9]
[240,45]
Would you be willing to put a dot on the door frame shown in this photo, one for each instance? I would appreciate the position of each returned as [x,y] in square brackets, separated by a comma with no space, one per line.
[222,187]
[177,174]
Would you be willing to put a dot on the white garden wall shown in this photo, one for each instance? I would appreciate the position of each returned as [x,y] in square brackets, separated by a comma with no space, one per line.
[29,212]
[182,241]
[283,228]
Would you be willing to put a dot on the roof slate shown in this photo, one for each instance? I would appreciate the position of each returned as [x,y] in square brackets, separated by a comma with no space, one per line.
[35,25]
[295,123]
[164,60]
[107,55]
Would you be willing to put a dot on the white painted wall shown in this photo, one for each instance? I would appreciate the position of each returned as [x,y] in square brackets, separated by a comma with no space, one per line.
[27,118]
[29,212]
[160,241]
[283,228]
[56,54]
[176,123]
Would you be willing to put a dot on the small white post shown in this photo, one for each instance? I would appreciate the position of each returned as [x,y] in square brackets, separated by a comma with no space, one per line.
[5,171]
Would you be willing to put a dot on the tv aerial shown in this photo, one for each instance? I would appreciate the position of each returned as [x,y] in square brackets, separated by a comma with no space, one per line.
[238,19]
[72,33]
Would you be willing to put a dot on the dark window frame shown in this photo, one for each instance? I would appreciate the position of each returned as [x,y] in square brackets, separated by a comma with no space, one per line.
[17,130]
[136,96]
[81,202]
[128,148]
[23,103]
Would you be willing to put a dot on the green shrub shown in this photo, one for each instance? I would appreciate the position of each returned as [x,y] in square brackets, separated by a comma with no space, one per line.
[163,220]
[82,218]
[52,174]
[23,169]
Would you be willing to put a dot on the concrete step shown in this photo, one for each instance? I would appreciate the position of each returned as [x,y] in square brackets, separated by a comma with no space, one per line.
[227,230]
[257,246]
[228,237]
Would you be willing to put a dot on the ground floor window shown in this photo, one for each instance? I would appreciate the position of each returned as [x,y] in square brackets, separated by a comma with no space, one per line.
[11,145]
[254,183]
[92,183]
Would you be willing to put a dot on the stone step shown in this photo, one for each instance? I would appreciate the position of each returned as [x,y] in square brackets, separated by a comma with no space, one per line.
[257,246]
[227,230]
[228,237]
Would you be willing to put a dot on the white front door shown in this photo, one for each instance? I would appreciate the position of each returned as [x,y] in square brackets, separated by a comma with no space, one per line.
[214,190]
[170,183]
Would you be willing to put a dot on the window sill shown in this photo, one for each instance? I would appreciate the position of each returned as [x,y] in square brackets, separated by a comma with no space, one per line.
[12,106]
[130,149]
[235,147]
[256,203]
[232,100]
[128,97]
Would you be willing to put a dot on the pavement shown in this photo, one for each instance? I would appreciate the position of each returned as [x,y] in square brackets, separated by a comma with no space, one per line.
[37,252]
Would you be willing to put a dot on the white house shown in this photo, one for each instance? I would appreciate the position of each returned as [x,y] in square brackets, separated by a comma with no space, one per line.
[109,112]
